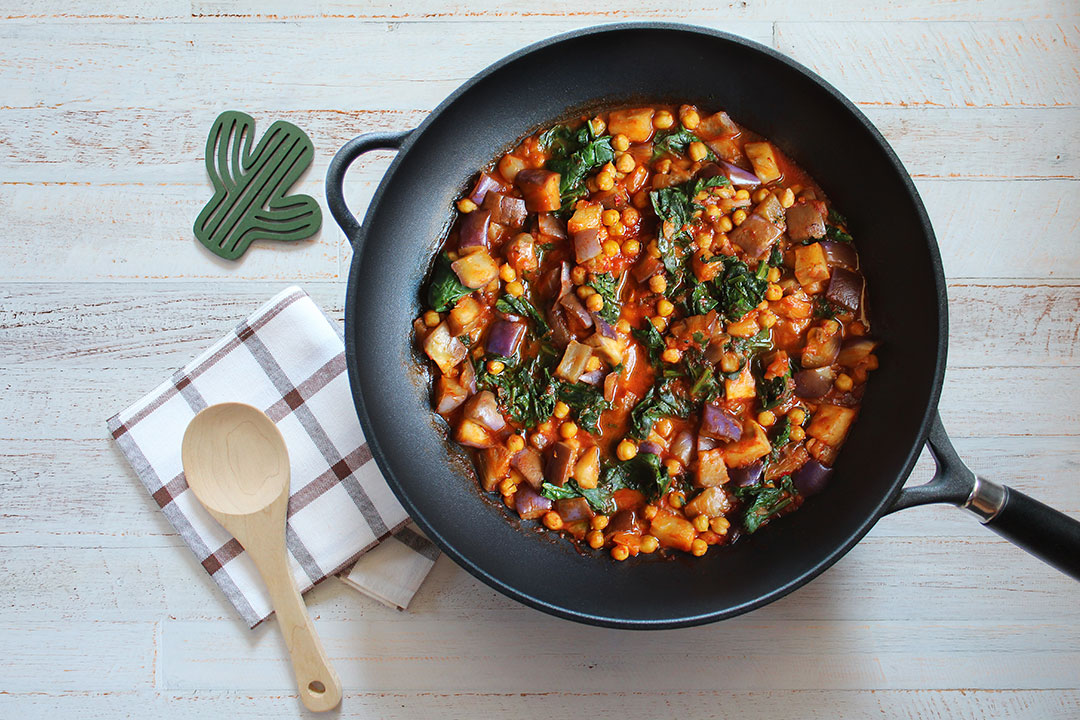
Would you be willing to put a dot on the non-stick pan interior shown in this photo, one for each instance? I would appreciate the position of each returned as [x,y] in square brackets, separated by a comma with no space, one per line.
[622,65]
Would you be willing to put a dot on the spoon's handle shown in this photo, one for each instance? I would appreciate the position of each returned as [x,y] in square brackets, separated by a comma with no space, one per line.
[316,679]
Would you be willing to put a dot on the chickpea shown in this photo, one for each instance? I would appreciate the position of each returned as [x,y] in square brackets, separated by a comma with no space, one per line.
[662,166]
[631,247]
[701,523]
[689,117]
[759,195]
[729,362]
[738,217]
[719,525]
[585,292]
[609,217]
[674,467]
[605,182]
[620,142]
[660,323]
[653,249]
[593,364]
[664,307]
[626,449]
[630,216]
[495,366]
[595,302]
[774,275]
[620,552]
[798,434]
[787,198]
[640,200]
[658,283]
[725,224]
[844,382]
[649,544]
[774,292]
[599,522]
[625,163]
[663,426]
[507,487]
[466,205]
[598,125]
[699,547]
[553,521]
[515,443]
[742,194]
[697,151]
[767,319]
[515,288]
[577,275]
[618,229]
[676,500]
[431,318]
[650,512]
[611,247]
[671,355]
[507,273]
[831,326]
[663,120]
[623,326]
[561,410]
[797,416]
[595,539]
[568,430]
[766,418]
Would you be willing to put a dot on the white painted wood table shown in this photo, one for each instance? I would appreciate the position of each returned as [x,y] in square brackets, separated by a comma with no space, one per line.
[105,614]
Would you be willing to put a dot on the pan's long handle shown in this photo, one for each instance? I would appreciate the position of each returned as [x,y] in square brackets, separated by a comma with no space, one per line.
[1048,534]
[335,175]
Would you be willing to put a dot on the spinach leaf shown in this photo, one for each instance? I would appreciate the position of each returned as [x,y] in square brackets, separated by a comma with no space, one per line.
[824,309]
[837,235]
[753,344]
[445,289]
[586,401]
[776,257]
[675,142]
[661,400]
[835,218]
[705,385]
[739,290]
[701,299]
[607,287]
[520,306]
[643,472]
[573,154]
[600,498]
[783,437]
[765,502]
[653,341]
[526,390]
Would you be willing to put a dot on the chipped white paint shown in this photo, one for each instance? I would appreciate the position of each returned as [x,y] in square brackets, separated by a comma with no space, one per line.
[104,613]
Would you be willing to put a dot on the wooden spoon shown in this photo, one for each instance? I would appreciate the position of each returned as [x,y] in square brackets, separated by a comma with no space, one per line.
[238,467]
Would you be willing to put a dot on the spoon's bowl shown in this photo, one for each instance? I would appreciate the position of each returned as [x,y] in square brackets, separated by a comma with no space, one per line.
[235,459]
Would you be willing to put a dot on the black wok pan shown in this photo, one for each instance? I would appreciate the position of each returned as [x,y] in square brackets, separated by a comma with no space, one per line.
[837,145]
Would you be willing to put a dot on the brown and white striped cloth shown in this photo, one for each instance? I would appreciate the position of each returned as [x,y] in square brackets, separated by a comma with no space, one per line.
[287,359]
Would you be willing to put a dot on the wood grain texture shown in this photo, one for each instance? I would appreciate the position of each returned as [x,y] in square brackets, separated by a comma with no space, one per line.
[104,613]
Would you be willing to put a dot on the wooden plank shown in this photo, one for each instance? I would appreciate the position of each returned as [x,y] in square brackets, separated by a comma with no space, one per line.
[921,579]
[986,65]
[529,705]
[517,10]
[420,653]
[180,64]
[64,656]
[165,144]
[998,229]
[160,326]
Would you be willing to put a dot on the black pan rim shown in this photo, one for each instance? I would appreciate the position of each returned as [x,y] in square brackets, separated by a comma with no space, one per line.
[825,563]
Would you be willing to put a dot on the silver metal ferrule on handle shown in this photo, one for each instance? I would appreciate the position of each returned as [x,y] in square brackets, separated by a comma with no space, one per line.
[986,499]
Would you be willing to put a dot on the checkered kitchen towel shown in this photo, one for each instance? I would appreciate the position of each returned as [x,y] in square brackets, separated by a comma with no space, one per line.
[287,359]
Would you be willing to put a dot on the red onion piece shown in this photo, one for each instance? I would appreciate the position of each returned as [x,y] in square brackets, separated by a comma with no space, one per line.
[449,394]
[646,268]
[586,245]
[811,478]
[504,338]
[806,220]
[575,309]
[682,447]
[593,378]
[548,224]
[854,350]
[574,509]
[530,463]
[483,408]
[603,326]
[846,288]
[718,424]
[839,254]
[705,443]
[467,379]
[473,231]
[650,448]
[814,383]
[611,383]
[756,235]
[739,177]
[530,505]
[484,184]
[560,333]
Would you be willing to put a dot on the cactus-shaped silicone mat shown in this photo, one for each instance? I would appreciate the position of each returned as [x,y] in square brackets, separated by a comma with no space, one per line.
[249,200]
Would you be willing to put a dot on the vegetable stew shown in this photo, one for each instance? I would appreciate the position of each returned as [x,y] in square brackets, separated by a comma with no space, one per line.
[650,329]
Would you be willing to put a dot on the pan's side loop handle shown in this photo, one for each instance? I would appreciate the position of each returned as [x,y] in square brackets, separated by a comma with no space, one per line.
[335,175]
[1048,534]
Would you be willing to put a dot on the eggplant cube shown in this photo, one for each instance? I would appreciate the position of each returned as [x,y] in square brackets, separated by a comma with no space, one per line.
[712,502]
[673,531]
[753,445]
[742,387]
[830,424]
[473,434]
[449,395]
[573,361]
[609,349]
[763,158]
[444,348]
[464,314]
[476,269]
[712,470]
[586,218]
[635,124]
[540,188]
[810,264]
[587,468]
[494,466]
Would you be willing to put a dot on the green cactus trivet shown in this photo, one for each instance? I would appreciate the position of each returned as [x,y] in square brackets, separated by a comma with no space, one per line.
[249,200]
